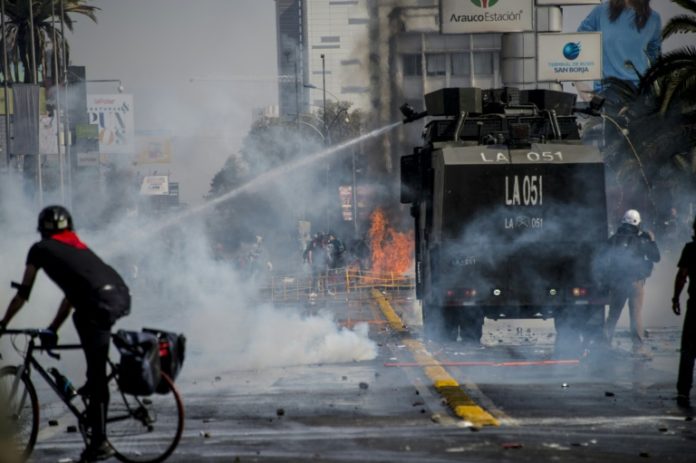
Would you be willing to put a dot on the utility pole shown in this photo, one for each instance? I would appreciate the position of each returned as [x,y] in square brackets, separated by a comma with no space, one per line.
[66,124]
[323,88]
[327,138]
[57,110]
[5,78]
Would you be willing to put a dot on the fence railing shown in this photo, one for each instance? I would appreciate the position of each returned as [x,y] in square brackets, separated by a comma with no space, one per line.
[348,282]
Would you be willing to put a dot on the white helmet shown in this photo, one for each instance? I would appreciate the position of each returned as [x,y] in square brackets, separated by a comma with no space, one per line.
[631,217]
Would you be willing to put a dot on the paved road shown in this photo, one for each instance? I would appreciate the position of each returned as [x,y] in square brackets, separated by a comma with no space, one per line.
[509,400]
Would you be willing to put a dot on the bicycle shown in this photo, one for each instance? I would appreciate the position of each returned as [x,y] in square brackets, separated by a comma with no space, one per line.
[131,420]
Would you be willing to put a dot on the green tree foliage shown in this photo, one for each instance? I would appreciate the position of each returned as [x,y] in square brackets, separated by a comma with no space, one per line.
[247,209]
[47,25]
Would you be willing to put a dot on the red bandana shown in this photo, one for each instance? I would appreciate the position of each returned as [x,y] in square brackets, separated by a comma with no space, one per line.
[70,238]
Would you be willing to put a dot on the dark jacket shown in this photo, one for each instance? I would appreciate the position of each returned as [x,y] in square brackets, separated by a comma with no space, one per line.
[631,254]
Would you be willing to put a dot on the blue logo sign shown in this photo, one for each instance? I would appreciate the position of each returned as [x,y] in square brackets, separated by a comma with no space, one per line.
[571,50]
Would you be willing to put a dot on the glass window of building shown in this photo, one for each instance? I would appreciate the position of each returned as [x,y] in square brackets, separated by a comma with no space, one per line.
[436,64]
[460,64]
[412,65]
[483,63]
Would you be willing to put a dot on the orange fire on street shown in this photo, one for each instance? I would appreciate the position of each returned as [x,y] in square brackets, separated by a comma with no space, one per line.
[392,251]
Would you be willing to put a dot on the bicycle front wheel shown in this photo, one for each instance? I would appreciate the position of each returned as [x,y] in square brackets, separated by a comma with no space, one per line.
[145,429]
[19,418]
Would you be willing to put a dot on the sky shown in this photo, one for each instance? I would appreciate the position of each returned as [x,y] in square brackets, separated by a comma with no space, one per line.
[199,69]
[196,69]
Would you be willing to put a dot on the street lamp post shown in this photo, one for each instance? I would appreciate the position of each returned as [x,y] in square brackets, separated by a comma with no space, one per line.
[323,88]
[5,78]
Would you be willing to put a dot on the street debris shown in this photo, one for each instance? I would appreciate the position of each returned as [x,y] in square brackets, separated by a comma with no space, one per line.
[565,385]
[363,385]
[555,446]
[512,445]
[280,412]
[205,434]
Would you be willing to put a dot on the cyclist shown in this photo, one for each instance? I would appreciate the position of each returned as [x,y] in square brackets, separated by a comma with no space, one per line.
[99,296]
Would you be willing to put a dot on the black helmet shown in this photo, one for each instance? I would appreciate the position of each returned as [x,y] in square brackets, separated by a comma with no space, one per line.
[54,219]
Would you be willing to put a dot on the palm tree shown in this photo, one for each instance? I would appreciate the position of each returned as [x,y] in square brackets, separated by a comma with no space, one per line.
[47,15]
[675,72]
[657,159]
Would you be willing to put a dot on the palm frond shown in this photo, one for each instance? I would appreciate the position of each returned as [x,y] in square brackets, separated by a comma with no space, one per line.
[681,24]
[667,64]
[686,4]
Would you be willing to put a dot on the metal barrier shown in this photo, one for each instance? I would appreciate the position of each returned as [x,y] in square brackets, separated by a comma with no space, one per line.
[344,282]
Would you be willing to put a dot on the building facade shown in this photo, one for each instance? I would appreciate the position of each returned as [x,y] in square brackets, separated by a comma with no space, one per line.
[322,45]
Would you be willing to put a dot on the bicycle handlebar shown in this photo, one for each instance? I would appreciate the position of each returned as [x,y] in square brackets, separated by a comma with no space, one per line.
[34,333]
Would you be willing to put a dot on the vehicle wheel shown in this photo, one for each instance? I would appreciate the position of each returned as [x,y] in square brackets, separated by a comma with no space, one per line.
[470,325]
[145,429]
[593,328]
[572,335]
[434,323]
[19,418]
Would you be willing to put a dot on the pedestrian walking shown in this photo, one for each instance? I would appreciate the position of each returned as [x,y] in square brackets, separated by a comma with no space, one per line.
[687,270]
[631,255]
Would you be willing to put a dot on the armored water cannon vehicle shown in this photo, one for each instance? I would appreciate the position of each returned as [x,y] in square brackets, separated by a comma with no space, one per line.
[510,213]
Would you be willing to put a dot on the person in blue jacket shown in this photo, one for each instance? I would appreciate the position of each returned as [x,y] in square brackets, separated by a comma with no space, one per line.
[631,38]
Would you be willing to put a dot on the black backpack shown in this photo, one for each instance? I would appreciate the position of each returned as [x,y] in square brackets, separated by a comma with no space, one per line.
[172,350]
[139,370]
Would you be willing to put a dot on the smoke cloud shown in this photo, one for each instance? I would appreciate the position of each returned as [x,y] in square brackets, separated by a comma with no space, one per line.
[178,284]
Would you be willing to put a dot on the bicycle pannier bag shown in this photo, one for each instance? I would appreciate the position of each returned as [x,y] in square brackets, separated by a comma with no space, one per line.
[172,350]
[139,369]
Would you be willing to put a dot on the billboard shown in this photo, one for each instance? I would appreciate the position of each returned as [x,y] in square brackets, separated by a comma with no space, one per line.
[114,116]
[155,185]
[569,57]
[154,149]
[471,16]
[568,2]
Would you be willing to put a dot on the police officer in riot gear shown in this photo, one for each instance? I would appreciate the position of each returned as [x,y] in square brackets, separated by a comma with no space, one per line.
[99,296]
[687,270]
[632,253]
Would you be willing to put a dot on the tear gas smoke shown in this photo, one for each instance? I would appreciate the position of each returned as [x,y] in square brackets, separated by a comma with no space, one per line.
[179,286]
[270,176]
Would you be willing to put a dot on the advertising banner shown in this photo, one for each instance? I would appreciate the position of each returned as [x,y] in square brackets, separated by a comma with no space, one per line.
[155,185]
[345,192]
[87,131]
[88,159]
[48,135]
[154,149]
[569,57]
[470,16]
[568,2]
[10,102]
[114,116]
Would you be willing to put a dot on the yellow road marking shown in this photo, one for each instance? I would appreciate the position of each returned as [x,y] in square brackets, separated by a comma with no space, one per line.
[460,403]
